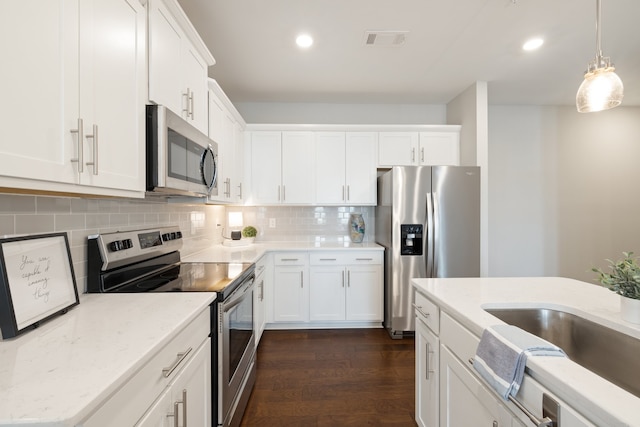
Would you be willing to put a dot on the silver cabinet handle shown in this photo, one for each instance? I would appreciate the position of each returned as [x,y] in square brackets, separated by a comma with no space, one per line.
[349,278]
[180,357]
[413,155]
[184,407]
[227,184]
[343,278]
[422,154]
[94,137]
[343,193]
[278,193]
[289,259]
[302,279]
[348,195]
[80,159]
[364,259]
[428,367]
[261,294]
[191,105]
[284,193]
[240,191]
[419,308]
[327,259]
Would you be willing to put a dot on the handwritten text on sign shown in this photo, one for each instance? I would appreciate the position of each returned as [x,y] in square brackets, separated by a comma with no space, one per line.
[40,278]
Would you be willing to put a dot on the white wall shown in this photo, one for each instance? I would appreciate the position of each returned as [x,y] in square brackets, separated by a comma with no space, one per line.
[301,113]
[469,109]
[563,189]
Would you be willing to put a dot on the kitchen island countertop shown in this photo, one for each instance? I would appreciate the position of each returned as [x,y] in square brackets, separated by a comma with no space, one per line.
[61,372]
[464,299]
[253,252]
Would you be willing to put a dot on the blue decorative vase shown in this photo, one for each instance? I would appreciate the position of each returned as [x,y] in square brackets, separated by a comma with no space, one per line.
[356,227]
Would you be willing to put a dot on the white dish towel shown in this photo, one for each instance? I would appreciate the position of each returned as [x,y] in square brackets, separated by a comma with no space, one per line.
[502,355]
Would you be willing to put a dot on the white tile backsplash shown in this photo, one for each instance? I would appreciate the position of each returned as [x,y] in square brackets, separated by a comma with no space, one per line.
[201,225]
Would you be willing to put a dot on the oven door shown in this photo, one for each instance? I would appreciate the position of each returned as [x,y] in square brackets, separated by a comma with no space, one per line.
[236,352]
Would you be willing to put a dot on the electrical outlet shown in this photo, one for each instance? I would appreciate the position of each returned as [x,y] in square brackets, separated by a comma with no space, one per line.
[272,223]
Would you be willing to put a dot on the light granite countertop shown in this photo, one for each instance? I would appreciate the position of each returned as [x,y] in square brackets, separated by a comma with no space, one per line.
[59,373]
[465,300]
[253,252]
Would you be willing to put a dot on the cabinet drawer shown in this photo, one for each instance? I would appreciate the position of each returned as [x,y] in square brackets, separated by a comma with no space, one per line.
[130,402]
[458,338]
[291,258]
[428,312]
[346,257]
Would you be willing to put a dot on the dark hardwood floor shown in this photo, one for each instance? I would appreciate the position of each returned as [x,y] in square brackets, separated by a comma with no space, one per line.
[355,377]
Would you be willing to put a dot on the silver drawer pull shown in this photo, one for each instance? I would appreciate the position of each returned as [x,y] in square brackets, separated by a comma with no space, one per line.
[364,259]
[289,259]
[419,308]
[327,259]
[180,357]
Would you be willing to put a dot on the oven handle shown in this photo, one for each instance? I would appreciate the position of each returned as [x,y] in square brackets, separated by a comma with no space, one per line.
[237,295]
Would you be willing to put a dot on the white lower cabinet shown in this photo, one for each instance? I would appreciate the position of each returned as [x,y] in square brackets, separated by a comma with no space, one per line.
[427,374]
[332,289]
[464,400]
[188,397]
[291,287]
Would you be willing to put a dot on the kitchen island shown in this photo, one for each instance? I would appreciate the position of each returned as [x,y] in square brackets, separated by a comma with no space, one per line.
[459,305]
[65,372]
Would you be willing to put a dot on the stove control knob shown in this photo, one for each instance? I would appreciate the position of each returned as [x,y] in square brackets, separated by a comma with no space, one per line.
[178,234]
[165,237]
[127,244]
[115,246]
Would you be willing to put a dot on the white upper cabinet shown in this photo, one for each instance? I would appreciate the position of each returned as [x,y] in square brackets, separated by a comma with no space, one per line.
[178,62]
[68,125]
[433,147]
[345,165]
[282,167]
[226,128]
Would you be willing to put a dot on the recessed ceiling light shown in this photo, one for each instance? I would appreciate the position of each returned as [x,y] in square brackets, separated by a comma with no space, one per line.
[304,41]
[533,44]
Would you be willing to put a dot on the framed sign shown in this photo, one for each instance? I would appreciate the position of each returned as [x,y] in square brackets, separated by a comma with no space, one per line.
[37,281]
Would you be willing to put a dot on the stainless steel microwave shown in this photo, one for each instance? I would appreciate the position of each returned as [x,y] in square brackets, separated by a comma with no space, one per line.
[181,160]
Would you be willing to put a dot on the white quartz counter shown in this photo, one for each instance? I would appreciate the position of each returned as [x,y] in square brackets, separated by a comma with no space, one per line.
[57,374]
[253,252]
[596,398]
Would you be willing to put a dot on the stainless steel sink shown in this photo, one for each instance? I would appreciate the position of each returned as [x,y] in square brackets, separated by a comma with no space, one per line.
[604,351]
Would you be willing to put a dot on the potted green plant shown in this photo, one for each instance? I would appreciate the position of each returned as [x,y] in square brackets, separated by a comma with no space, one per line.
[624,279]
[249,232]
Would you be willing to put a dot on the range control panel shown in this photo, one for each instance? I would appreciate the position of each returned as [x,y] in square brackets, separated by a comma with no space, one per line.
[125,247]
[411,239]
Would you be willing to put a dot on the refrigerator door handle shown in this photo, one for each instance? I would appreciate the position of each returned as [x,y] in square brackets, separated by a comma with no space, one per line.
[435,249]
[428,242]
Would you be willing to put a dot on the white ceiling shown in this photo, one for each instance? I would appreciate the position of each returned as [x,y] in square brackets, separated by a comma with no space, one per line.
[450,45]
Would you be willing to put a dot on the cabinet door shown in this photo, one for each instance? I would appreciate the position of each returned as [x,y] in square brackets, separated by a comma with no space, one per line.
[39,108]
[194,87]
[290,294]
[266,166]
[330,167]
[427,381]
[165,47]
[397,149]
[113,92]
[361,171]
[327,293]
[193,385]
[440,148]
[298,177]
[364,293]
[464,401]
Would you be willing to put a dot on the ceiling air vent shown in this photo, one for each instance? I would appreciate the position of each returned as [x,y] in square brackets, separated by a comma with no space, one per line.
[385,38]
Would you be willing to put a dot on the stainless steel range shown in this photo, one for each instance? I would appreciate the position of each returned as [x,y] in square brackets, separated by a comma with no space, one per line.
[149,261]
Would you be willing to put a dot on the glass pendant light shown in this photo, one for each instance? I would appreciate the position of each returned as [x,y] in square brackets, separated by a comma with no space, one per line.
[602,88]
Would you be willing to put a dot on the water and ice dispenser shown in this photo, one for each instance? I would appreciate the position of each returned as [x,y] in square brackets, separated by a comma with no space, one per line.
[411,239]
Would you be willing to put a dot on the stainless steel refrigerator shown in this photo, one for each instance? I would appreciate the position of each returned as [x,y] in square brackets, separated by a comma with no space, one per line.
[428,220]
